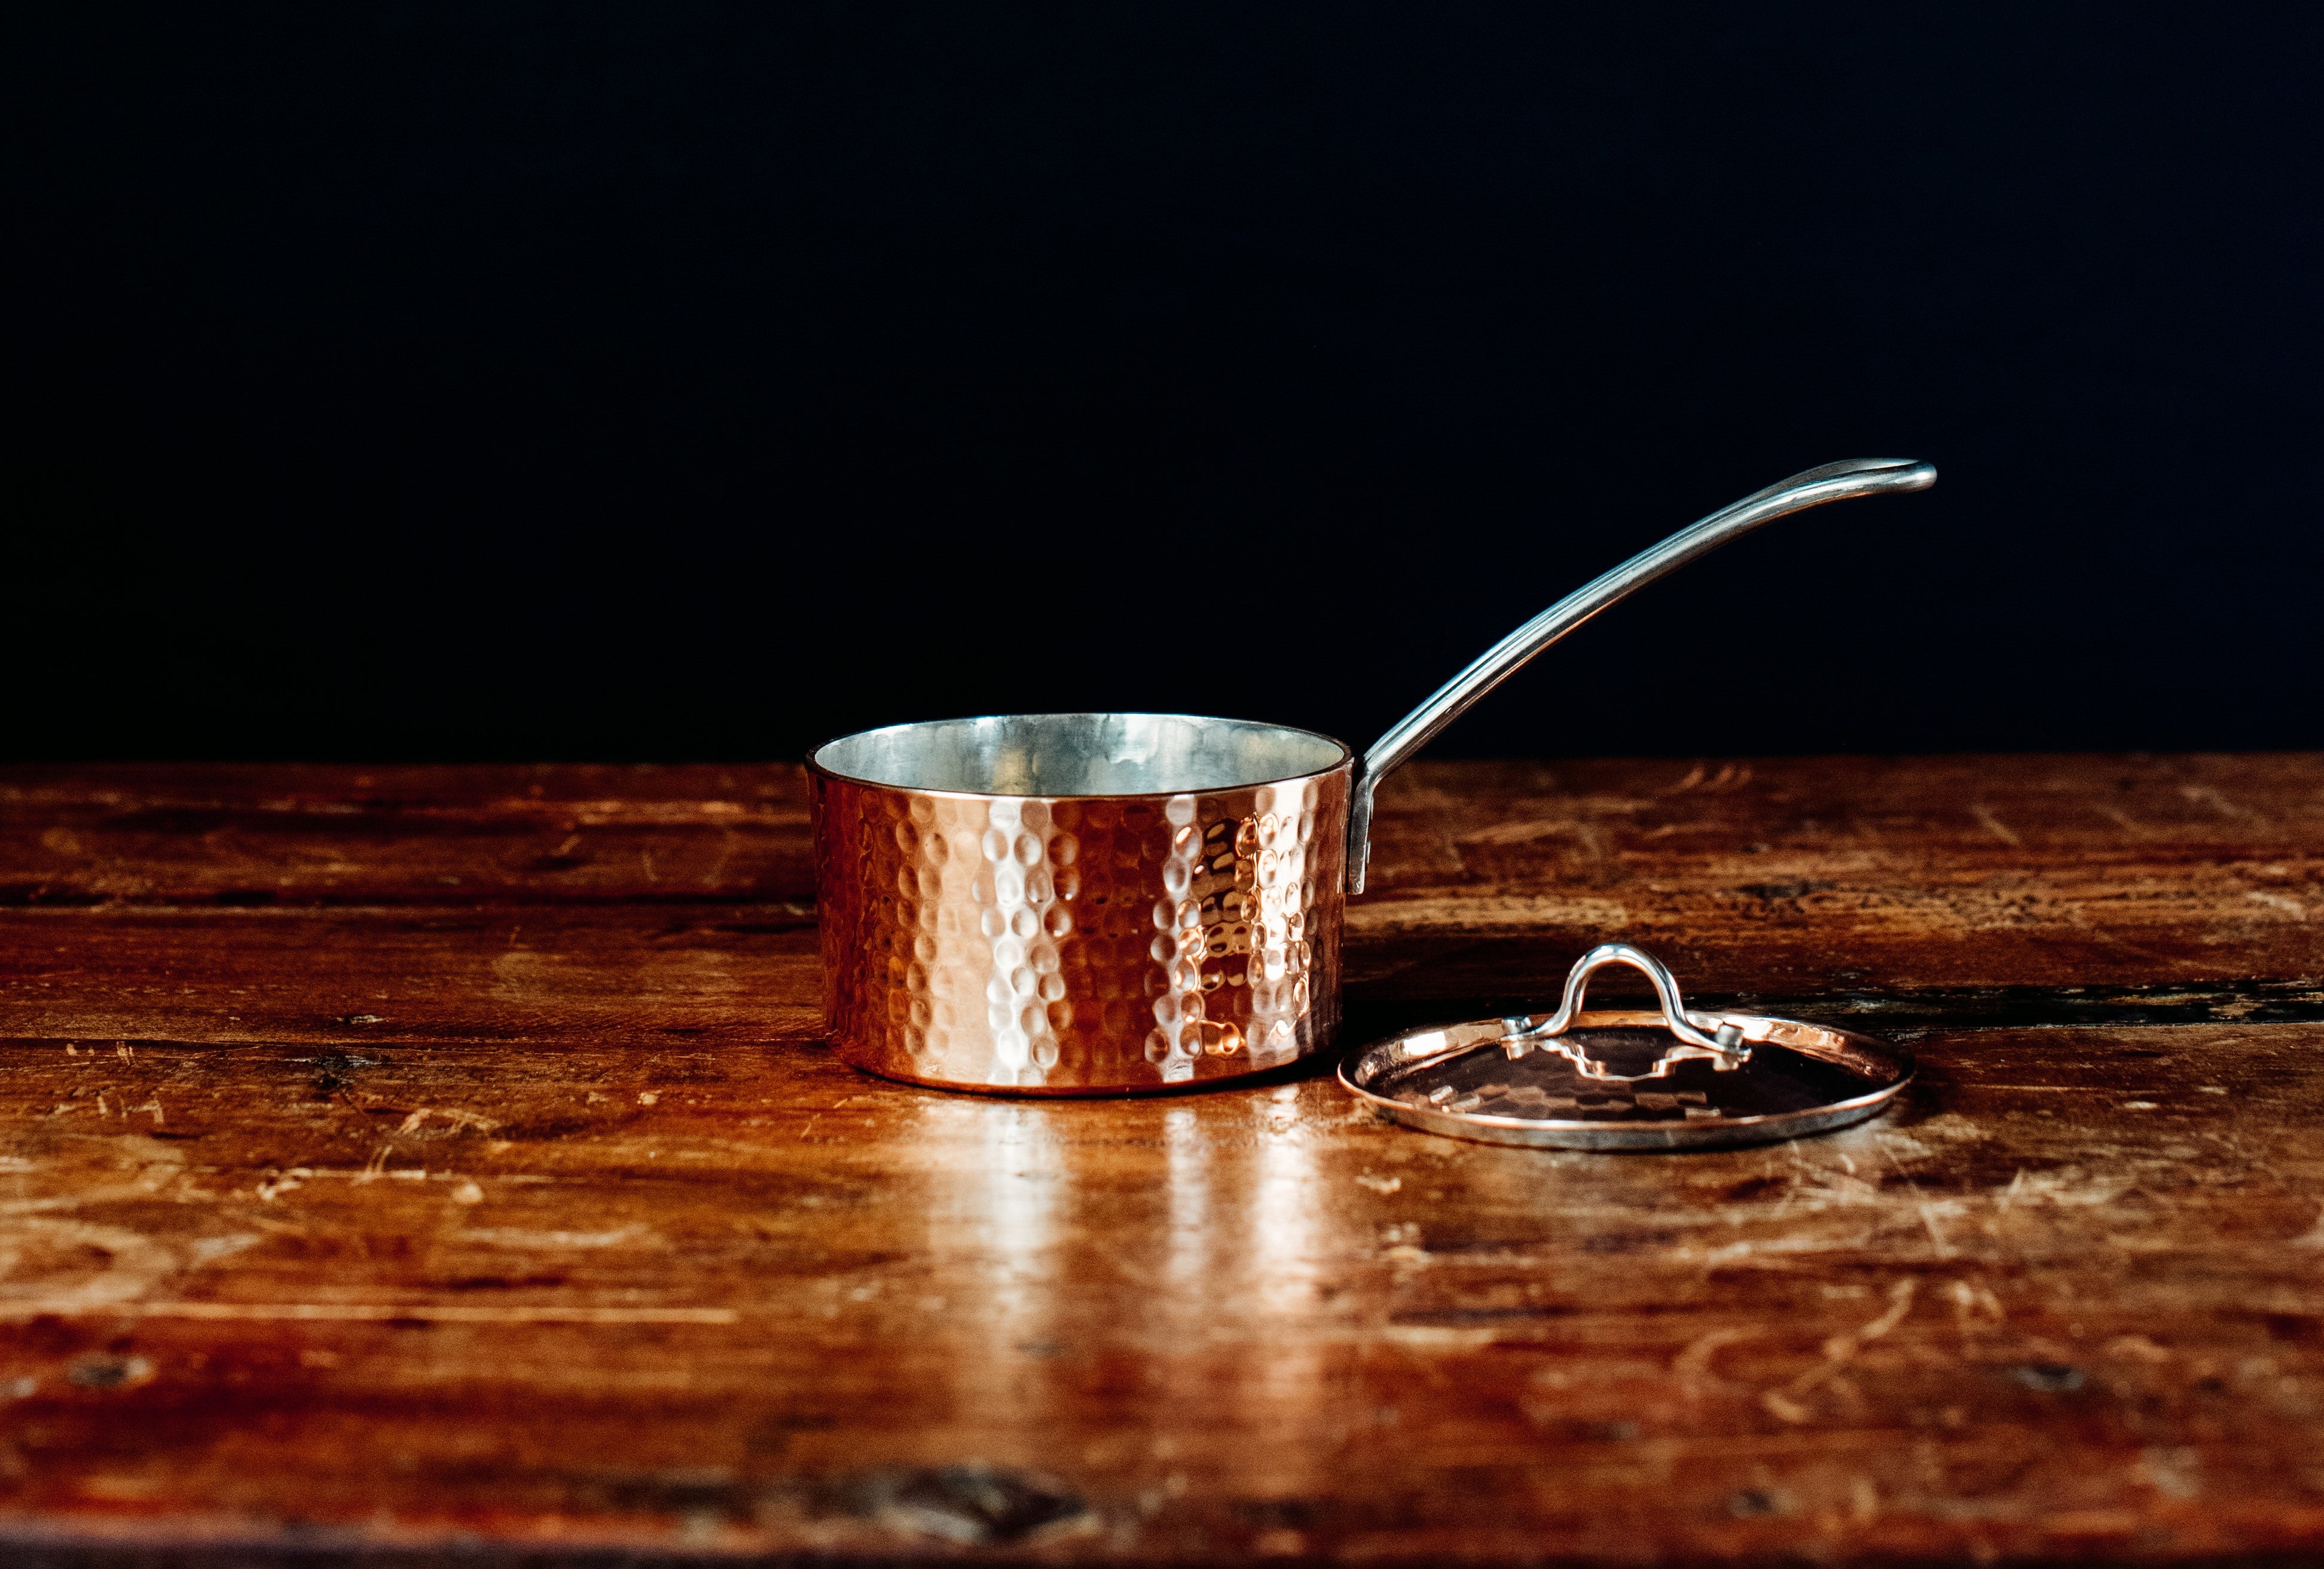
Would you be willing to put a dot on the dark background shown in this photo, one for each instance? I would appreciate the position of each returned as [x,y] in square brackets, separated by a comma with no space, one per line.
[676,381]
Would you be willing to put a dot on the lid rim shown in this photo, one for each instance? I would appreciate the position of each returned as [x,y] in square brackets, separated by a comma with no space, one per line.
[1357,1069]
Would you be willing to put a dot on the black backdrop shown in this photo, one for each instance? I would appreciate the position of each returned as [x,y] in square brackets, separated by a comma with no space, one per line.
[674,381]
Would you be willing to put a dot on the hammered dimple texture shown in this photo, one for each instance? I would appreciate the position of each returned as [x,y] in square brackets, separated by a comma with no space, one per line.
[1062,946]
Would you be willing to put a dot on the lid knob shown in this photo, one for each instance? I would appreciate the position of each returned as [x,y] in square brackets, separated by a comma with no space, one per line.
[1724,1049]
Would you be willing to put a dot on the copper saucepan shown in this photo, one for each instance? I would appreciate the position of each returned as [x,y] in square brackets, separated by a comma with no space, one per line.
[1100,904]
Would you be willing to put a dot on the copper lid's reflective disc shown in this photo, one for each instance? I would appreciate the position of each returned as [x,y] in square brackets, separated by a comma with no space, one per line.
[1615,1080]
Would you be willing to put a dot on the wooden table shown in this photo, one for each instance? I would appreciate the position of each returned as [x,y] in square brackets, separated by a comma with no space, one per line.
[442,1162]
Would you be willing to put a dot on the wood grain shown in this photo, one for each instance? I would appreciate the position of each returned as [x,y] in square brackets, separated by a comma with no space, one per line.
[347,1208]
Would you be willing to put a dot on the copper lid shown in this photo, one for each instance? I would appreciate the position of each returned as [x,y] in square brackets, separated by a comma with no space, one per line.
[1627,1080]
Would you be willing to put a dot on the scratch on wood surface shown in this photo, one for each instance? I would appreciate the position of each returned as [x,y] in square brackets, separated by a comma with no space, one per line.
[2313,1238]
[2278,902]
[512,1238]
[111,1193]
[457,1118]
[131,1262]
[1438,1337]
[2208,795]
[1973,1301]
[1926,1210]
[2071,1186]
[1730,776]
[1838,1352]
[1524,830]
[1993,825]
[370,1312]
[2008,1196]
[1692,1366]
[725,855]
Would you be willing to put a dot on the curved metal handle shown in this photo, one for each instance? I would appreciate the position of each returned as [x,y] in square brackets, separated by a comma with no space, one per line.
[1839,481]
[1725,1050]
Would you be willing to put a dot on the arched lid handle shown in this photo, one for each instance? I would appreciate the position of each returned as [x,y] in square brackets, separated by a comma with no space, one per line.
[1724,1049]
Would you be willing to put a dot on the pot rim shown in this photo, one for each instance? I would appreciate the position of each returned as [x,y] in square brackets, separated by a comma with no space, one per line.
[1346,759]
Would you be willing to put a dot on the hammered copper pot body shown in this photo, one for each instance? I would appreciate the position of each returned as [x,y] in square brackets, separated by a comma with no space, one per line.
[1077,944]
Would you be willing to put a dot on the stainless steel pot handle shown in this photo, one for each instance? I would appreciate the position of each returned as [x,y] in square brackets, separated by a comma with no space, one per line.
[1839,481]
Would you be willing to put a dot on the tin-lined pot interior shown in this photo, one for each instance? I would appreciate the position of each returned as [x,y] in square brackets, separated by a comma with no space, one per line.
[1080,754]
